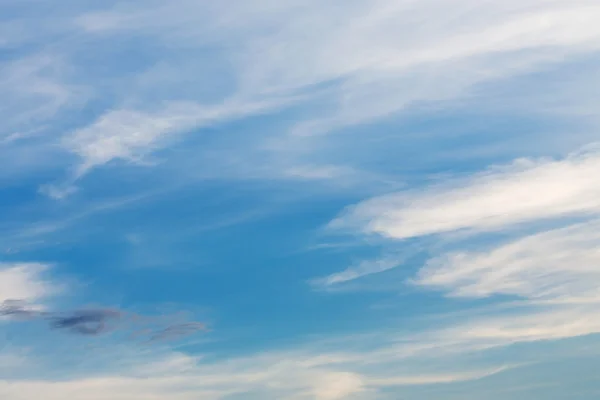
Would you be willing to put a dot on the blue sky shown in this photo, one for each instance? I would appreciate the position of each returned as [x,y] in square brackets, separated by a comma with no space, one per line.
[363,200]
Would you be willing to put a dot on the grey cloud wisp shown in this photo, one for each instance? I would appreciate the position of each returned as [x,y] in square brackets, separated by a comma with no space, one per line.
[98,321]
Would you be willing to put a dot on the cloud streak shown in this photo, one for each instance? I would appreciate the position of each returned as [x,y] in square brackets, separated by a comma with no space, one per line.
[559,264]
[525,191]
[279,375]
[93,322]
[362,269]
[545,282]
[162,72]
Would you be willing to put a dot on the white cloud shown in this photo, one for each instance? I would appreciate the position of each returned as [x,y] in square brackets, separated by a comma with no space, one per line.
[477,333]
[446,62]
[287,46]
[25,281]
[530,325]
[375,58]
[364,268]
[338,385]
[359,61]
[433,379]
[525,191]
[289,375]
[57,192]
[129,134]
[309,372]
[553,274]
[562,263]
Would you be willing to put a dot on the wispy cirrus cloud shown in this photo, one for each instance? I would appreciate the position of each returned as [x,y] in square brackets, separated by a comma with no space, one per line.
[436,379]
[378,70]
[315,372]
[356,65]
[529,325]
[360,270]
[129,135]
[294,375]
[525,191]
[550,274]
[558,264]
[161,72]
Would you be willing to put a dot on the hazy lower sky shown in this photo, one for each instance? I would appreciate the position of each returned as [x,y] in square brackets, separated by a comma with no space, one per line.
[283,199]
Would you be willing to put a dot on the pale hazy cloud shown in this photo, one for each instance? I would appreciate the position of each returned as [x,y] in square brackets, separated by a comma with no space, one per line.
[272,376]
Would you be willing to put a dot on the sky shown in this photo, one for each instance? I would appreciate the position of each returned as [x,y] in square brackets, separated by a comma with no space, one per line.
[299,200]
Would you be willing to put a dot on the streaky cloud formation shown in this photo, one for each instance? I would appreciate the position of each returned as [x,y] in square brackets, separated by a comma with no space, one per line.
[363,269]
[503,196]
[550,275]
[92,322]
[188,154]
[130,134]
[381,73]
[85,322]
[558,265]
[288,374]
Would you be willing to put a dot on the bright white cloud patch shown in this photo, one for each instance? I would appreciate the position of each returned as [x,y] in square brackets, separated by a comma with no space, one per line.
[553,273]
[24,281]
[526,191]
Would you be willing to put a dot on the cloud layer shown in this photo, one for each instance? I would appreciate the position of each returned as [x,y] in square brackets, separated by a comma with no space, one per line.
[276,96]
[560,264]
[503,196]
